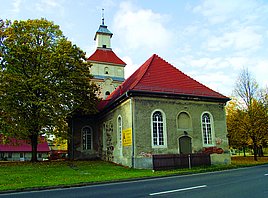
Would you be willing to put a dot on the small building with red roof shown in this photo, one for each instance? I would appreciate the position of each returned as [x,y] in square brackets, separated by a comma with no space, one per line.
[157,110]
[12,149]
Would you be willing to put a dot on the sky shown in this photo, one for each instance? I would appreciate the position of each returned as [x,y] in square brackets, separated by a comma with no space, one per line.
[209,40]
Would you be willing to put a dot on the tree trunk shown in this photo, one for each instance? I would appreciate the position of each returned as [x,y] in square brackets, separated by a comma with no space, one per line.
[260,151]
[255,150]
[244,151]
[34,143]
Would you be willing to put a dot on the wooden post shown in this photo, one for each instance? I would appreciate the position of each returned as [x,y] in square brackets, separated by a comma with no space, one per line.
[189,161]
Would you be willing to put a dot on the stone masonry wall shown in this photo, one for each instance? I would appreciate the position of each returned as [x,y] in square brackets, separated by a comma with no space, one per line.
[143,108]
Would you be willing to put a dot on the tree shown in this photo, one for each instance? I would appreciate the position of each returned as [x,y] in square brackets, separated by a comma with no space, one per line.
[245,131]
[264,97]
[44,78]
[254,117]
[236,119]
[260,123]
[246,87]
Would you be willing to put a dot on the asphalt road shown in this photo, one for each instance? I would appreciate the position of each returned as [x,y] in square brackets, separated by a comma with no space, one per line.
[239,183]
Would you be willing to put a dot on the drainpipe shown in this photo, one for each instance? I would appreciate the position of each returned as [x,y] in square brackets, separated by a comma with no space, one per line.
[132,132]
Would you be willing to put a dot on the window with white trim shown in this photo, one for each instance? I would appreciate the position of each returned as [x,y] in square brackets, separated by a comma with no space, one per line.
[207,129]
[158,129]
[119,133]
[87,138]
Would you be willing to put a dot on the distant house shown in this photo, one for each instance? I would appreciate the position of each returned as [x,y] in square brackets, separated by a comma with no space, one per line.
[58,150]
[157,110]
[20,150]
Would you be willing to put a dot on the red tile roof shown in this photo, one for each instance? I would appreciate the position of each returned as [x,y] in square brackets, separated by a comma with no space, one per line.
[15,145]
[158,76]
[106,56]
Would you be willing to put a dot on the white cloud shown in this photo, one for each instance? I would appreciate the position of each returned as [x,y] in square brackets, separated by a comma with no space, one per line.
[184,48]
[141,28]
[260,71]
[16,6]
[215,81]
[211,49]
[242,39]
[130,67]
[222,11]
[218,81]
[108,4]
[238,62]
[220,73]
[49,5]
[205,62]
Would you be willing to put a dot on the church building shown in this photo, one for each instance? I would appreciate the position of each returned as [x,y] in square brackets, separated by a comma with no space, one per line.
[157,110]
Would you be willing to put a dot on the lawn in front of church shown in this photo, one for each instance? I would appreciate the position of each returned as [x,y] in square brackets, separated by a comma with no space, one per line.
[27,175]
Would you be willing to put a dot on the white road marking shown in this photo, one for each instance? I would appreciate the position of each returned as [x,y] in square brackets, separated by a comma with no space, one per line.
[177,190]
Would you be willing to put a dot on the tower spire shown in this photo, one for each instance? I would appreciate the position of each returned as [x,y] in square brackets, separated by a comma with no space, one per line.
[103,35]
[102,16]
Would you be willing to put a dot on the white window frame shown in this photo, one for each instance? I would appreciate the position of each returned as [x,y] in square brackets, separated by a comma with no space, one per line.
[164,130]
[119,134]
[85,141]
[205,134]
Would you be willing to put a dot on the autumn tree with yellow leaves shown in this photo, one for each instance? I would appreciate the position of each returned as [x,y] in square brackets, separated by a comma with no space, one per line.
[247,115]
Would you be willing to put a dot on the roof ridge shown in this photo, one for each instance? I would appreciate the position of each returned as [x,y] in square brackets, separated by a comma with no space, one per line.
[152,58]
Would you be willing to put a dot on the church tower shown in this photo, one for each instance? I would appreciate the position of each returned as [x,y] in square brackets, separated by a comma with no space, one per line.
[107,68]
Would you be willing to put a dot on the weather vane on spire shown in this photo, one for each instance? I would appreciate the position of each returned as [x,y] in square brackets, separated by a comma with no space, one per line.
[102,18]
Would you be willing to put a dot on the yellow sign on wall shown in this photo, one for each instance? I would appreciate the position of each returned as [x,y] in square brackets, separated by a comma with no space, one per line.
[127,137]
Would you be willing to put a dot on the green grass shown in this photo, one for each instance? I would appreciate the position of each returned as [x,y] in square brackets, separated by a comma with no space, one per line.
[23,175]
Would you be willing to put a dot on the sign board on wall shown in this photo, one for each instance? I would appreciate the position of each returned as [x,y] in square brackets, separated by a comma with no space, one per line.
[127,137]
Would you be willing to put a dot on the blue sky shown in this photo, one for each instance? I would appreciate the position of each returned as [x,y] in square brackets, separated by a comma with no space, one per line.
[209,40]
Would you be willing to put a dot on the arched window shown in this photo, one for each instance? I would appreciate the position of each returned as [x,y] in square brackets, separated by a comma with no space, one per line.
[87,138]
[119,133]
[158,129]
[207,129]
